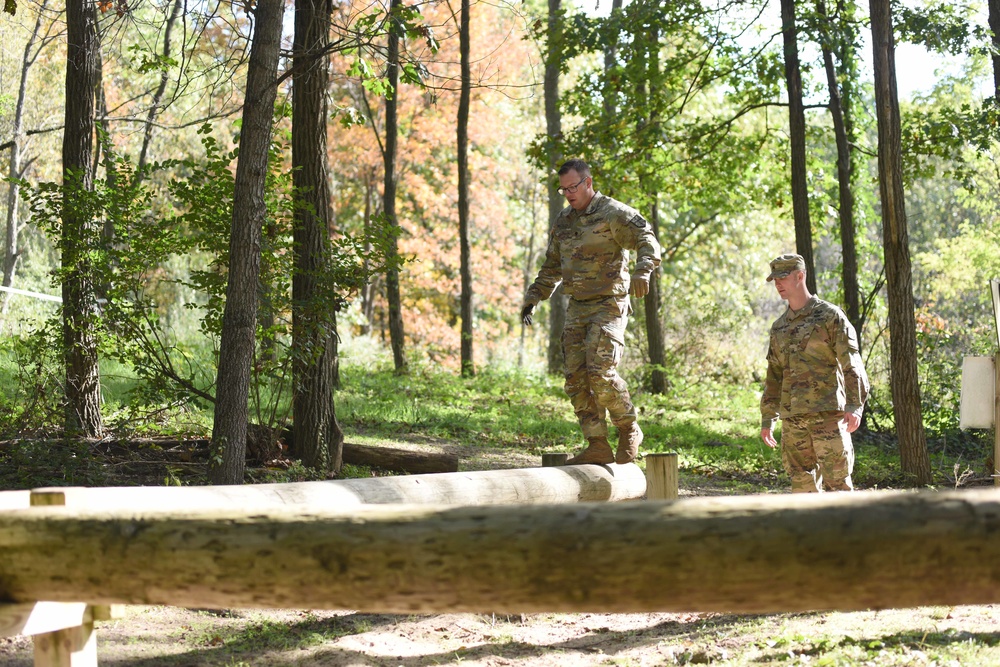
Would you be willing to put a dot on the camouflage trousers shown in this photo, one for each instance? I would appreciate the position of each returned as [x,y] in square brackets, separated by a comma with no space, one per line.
[593,341]
[817,453]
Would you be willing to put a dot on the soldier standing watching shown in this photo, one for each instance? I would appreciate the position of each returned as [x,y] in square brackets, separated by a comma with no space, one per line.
[816,384]
[588,252]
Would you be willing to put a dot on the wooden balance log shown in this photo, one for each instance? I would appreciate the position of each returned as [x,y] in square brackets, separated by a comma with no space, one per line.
[750,554]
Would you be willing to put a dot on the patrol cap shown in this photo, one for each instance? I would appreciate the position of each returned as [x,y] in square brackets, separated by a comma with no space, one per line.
[785,264]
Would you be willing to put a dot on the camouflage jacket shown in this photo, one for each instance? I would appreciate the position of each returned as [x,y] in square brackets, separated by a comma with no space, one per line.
[588,251]
[813,364]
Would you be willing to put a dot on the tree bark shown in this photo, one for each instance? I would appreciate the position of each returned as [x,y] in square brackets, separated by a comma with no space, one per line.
[14,169]
[797,139]
[396,333]
[884,550]
[467,311]
[239,319]
[849,255]
[80,230]
[994,19]
[553,129]
[651,302]
[654,327]
[318,437]
[895,243]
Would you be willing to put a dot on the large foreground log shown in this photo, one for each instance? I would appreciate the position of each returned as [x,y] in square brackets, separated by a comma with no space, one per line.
[571,484]
[14,500]
[736,554]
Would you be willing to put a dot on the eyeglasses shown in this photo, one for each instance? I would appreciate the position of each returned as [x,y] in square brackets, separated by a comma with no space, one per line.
[573,188]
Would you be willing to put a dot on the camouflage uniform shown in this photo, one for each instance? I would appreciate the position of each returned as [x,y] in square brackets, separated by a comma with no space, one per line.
[814,375]
[588,253]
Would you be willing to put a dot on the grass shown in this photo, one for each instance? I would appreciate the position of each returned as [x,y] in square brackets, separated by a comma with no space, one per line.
[714,428]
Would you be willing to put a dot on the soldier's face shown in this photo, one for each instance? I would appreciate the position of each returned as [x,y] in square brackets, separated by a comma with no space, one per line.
[578,190]
[787,284]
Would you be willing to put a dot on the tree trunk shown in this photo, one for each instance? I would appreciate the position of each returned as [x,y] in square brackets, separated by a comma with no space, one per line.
[895,242]
[396,334]
[994,19]
[610,52]
[154,106]
[883,550]
[239,319]
[849,255]
[468,367]
[318,437]
[553,129]
[797,138]
[654,328]
[14,170]
[80,230]
[369,291]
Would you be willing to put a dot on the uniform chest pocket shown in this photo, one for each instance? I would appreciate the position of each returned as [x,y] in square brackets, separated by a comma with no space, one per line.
[816,344]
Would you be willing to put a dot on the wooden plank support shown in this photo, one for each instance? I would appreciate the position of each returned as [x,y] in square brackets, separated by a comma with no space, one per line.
[587,483]
[750,554]
[661,476]
[72,641]
[35,618]
[71,647]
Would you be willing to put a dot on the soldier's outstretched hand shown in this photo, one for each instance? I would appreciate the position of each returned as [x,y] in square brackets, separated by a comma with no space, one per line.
[640,286]
[526,314]
[767,435]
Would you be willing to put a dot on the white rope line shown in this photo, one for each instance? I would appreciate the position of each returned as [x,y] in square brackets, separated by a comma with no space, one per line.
[37,295]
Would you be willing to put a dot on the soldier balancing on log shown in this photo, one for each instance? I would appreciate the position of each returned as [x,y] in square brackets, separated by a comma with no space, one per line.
[588,252]
[816,384]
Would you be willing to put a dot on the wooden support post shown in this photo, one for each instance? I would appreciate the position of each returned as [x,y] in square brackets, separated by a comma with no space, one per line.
[66,647]
[72,647]
[661,476]
[996,419]
[551,460]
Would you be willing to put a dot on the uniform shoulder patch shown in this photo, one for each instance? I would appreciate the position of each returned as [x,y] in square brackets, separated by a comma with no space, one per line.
[637,221]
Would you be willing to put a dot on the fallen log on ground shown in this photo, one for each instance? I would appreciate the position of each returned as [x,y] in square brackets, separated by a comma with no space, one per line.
[757,554]
[570,484]
[402,460]
[262,446]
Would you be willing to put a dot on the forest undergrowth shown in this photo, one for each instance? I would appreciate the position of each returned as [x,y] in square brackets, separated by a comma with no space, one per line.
[507,420]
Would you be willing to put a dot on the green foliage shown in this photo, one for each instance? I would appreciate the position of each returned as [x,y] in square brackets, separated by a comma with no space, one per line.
[129,265]
[940,26]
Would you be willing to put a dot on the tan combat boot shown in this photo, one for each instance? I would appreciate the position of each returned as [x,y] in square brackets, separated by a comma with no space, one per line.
[629,439]
[598,451]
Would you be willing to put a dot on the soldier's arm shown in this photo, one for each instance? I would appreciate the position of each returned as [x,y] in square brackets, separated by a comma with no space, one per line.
[549,276]
[856,385]
[770,399]
[633,232]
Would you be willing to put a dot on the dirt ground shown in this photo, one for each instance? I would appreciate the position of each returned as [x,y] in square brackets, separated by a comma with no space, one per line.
[173,637]
[156,636]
